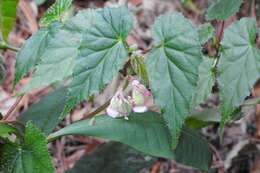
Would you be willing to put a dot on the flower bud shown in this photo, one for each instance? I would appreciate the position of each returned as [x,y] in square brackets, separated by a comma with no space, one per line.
[139,97]
[119,106]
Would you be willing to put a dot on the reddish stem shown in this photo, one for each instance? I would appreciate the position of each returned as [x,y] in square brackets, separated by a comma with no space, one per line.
[253,9]
[221,31]
[10,111]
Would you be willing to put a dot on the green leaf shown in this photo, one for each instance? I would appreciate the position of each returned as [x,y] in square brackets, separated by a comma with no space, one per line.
[58,59]
[223,9]
[102,53]
[205,82]
[193,150]
[139,68]
[199,119]
[56,12]
[31,156]
[172,67]
[239,65]
[45,114]
[82,21]
[206,32]
[32,50]
[121,159]
[7,16]
[145,132]
[6,130]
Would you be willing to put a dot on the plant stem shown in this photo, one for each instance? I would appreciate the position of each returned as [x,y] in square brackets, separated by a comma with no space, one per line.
[253,9]
[221,167]
[220,35]
[4,45]
[217,46]
[10,111]
[105,105]
[98,110]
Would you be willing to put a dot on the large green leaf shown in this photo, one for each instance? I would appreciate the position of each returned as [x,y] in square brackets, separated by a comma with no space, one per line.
[145,132]
[205,82]
[45,114]
[113,157]
[31,156]
[32,50]
[173,69]
[7,16]
[223,9]
[239,65]
[102,53]
[56,12]
[58,59]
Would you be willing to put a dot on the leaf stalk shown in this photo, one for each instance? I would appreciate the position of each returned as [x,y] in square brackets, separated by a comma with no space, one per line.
[4,46]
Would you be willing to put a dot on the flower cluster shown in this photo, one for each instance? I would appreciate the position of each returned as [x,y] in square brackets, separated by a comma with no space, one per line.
[121,106]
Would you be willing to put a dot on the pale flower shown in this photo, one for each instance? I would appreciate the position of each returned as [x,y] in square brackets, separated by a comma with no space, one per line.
[119,106]
[139,97]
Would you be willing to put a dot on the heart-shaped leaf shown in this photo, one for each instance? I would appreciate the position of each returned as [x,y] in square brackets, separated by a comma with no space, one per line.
[173,69]
[102,53]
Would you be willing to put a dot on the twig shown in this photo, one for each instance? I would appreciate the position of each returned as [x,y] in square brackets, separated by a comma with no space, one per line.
[253,9]
[156,167]
[221,163]
[13,107]
[254,140]
[29,15]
